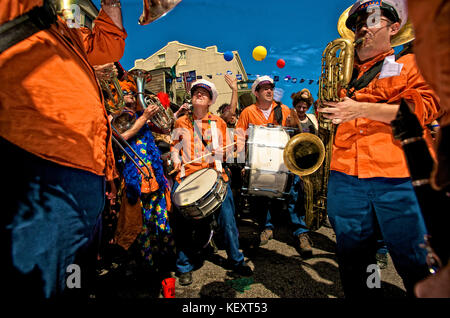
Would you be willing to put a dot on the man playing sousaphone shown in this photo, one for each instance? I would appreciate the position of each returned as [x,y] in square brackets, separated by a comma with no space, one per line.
[369,183]
[196,135]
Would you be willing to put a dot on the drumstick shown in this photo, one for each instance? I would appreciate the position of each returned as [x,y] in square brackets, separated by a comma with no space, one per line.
[227,146]
[208,154]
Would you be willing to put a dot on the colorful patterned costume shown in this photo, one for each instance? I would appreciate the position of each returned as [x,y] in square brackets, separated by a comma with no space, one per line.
[155,236]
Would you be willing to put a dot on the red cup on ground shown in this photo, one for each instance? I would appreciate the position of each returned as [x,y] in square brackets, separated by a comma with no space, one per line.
[168,285]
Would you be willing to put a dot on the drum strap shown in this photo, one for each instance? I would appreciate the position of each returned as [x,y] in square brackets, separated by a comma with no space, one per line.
[278,113]
[215,144]
[199,133]
[215,141]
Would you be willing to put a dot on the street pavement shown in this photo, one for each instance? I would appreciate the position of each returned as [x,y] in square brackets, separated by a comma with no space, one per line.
[279,272]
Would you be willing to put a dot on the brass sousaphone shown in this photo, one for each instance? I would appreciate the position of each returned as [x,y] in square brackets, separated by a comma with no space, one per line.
[304,152]
[309,156]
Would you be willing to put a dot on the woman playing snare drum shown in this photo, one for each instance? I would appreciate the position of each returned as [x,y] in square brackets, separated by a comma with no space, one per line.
[198,142]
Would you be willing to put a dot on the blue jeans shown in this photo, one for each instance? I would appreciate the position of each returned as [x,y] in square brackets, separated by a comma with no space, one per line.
[227,224]
[355,206]
[296,209]
[50,216]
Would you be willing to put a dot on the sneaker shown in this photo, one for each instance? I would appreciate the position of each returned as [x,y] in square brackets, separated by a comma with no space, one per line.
[304,244]
[265,236]
[382,260]
[243,269]
[185,279]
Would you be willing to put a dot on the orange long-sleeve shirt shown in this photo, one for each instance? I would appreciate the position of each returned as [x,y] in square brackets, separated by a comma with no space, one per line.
[431,21]
[253,115]
[50,101]
[366,148]
[191,147]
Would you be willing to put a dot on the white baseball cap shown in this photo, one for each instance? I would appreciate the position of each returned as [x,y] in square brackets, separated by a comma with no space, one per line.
[260,81]
[395,10]
[210,87]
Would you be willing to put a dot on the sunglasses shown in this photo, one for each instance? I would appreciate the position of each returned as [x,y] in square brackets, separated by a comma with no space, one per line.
[363,23]
[128,93]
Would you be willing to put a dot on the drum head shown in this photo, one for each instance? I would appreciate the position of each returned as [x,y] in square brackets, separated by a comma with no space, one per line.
[195,186]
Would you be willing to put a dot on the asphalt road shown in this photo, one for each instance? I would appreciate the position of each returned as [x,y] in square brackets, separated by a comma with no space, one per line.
[279,272]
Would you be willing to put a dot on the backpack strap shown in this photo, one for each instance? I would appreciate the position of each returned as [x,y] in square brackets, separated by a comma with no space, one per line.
[27,24]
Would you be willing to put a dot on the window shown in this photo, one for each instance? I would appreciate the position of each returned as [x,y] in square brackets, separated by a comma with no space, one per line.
[182,57]
[162,59]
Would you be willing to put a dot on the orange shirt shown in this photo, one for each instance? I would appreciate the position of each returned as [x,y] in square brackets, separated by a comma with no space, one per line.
[367,148]
[191,147]
[431,21]
[50,101]
[253,115]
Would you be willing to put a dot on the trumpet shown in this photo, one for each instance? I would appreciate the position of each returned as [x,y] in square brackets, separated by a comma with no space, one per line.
[163,119]
[155,9]
[115,107]
[112,106]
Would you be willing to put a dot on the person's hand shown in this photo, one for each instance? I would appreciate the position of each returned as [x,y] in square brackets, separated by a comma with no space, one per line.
[150,111]
[176,162]
[290,122]
[216,155]
[165,131]
[112,194]
[176,167]
[183,108]
[231,81]
[341,112]
[105,71]
[435,286]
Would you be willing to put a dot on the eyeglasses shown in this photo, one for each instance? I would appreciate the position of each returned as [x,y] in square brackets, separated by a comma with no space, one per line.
[363,23]
[265,88]
[128,93]
[201,92]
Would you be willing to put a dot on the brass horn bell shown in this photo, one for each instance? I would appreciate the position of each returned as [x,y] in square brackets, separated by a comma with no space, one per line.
[304,154]
[405,35]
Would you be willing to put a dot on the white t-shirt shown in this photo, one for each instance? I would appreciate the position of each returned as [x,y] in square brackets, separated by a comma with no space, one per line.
[267,112]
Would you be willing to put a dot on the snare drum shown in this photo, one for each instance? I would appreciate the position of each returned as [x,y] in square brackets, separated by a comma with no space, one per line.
[200,194]
[265,172]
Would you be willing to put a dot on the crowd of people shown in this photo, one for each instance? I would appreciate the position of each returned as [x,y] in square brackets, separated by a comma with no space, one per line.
[75,186]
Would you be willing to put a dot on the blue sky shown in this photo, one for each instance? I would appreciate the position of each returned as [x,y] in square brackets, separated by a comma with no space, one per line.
[294,30]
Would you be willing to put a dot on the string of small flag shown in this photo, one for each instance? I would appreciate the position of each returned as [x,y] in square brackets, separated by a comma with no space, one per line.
[191,76]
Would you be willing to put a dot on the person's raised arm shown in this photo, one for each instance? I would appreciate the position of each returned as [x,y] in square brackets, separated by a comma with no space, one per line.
[232,82]
[113,9]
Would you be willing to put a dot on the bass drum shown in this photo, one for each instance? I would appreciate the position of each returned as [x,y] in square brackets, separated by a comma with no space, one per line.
[265,172]
[200,194]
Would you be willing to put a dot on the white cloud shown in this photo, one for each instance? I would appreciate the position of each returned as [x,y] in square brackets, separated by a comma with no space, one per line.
[297,55]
